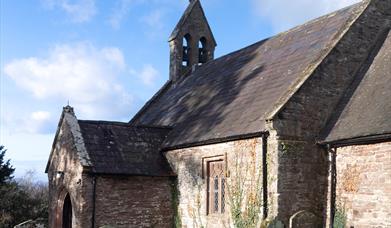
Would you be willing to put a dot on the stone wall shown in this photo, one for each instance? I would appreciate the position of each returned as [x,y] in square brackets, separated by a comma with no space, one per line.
[197,27]
[134,202]
[297,178]
[363,186]
[243,159]
[66,177]
[301,180]
[314,102]
[123,202]
[300,165]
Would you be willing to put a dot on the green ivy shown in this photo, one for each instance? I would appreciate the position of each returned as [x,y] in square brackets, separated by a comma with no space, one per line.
[175,203]
[340,218]
[239,196]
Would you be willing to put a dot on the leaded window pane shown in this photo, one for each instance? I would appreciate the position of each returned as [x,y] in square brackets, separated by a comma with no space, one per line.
[222,195]
[216,194]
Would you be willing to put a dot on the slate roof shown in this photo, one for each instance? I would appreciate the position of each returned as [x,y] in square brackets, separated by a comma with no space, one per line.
[368,111]
[118,148]
[233,95]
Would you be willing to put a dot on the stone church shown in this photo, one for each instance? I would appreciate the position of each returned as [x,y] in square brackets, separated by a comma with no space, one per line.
[292,131]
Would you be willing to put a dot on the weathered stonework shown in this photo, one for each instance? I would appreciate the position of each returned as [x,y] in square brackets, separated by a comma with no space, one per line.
[243,157]
[305,115]
[297,174]
[302,165]
[100,200]
[134,202]
[66,177]
[278,156]
[194,26]
[363,187]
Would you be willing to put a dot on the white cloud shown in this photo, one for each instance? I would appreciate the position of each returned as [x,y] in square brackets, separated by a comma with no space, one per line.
[153,23]
[41,122]
[119,13]
[40,116]
[37,122]
[79,11]
[286,14]
[86,76]
[148,74]
[153,16]
[154,19]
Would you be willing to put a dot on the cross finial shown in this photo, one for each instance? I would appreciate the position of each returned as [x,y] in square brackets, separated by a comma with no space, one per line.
[68,109]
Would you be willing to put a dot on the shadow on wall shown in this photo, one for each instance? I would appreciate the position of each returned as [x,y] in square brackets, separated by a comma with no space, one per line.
[300,191]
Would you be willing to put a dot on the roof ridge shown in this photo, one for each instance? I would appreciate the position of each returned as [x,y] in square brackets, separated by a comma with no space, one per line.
[279,34]
[68,117]
[359,78]
[151,101]
[104,122]
[254,69]
[124,124]
[321,18]
[168,83]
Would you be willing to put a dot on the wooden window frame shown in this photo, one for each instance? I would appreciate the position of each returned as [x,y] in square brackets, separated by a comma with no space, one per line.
[210,201]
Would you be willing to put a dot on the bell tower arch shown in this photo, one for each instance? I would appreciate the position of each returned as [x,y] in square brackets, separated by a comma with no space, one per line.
[191,43]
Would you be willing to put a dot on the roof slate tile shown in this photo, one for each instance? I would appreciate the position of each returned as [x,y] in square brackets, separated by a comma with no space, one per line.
[119,148]
[368,111]
[233,95]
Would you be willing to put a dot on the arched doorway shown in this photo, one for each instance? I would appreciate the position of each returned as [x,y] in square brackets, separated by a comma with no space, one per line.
[67,213]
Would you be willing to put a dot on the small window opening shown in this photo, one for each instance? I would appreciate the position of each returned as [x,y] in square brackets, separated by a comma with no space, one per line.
[202,52]
[222,195]
[216,187]
[216,194]
[186,50]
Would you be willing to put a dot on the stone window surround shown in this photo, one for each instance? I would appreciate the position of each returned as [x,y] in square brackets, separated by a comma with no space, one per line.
[207,159]
[204,165]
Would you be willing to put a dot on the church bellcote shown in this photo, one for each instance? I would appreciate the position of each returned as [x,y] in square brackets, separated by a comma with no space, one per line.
[191,42]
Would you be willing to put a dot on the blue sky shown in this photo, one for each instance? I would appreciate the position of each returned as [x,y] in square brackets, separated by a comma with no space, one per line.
[107,58]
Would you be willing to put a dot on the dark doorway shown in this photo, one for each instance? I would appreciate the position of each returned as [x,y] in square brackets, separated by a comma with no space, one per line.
[67,213]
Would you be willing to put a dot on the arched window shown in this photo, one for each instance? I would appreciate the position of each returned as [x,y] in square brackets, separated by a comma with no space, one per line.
[202,52]
[216,185]
[186,50]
